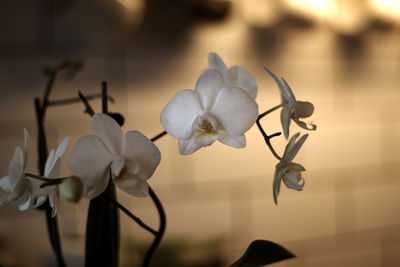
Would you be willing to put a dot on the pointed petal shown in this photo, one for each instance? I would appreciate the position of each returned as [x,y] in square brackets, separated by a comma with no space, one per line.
[242,79]
[235,110]
[53,200]
[133,186]
[208,86]
[178,115]
[304,109]
[15,169]
[109,132]
[276,184]
[216,63]
[90,161]
[55,170]
[290,145]
[295,166]
[292,152]
[49,163]
[285,121]
[62,147]
[283,89]
[39,201]
[233,141]
[188,146]
[117,165]
[26,147]
[141,150]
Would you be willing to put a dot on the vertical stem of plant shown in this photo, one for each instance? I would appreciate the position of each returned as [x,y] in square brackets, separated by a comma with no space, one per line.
[102,229]
[161,228]
[52,225]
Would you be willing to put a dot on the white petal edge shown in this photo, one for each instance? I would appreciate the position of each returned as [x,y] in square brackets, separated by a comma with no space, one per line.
[215,62]
[178,115]
[109,132]
[141,150]
[26,147]
[133,186]
[235,110]
[208,86]
[188,146]
[233,141]
[90,161]
[242,79]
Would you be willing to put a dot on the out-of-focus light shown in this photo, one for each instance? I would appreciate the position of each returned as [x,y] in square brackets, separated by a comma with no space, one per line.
[388,10]
[261,13]
[349,17]
[312,9]
[134,8]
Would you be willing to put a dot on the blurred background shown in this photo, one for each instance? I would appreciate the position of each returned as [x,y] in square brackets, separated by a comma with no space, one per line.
[342,55]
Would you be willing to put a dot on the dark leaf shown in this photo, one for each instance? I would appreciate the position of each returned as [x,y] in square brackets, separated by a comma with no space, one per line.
[262,252]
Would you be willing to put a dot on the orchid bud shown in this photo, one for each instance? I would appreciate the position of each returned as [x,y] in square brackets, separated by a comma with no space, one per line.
[72,188]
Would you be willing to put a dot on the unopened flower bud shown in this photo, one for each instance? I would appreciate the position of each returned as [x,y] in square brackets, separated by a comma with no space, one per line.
[72,188]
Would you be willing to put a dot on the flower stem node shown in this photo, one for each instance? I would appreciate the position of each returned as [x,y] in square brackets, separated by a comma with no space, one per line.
[71,189]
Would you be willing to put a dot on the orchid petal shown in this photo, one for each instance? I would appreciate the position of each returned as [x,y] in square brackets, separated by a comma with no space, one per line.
[189,146]
[283,89]
[292,152]
[15,169]
[292,179]
[141,150]
[290,145]
[54,171]
[242,79]
[289,91]
[132,186]
[26,147]
[295,166]
[109,132]
[216,63]
[276,184]
[307,126]
[285,120]
[178,115]
[26,204]
[233,141]
[304,109]
[208,86]
[49,163]
[53,200]
[90,161]
[235,110]
[117,165]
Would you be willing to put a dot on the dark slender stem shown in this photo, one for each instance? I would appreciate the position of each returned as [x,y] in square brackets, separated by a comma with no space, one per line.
[161,228]
[52,225]
[267,138]
[104,97]
[131,215]
[89,110]
[49,88]
[155,138]
[72,100]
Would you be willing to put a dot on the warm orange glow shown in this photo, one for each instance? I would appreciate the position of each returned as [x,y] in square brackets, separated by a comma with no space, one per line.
[311,8]
[387,9]
[261,13]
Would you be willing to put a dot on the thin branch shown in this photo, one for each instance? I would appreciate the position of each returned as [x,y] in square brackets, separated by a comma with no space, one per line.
[72,100]
[155,138]
[104,97]
[89,110]
[161,228]
[131,215]
[267,138]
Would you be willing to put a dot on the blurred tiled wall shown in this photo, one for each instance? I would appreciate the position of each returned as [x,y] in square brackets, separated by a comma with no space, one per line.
[348,212]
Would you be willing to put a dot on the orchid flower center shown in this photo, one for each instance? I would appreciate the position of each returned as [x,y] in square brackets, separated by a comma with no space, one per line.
[206,125]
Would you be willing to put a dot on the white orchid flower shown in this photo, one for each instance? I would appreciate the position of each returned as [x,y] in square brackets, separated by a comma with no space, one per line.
[213,111]
[234,76]
[15,189]
[51,170]
[292,109]
[287,170]
[132,158]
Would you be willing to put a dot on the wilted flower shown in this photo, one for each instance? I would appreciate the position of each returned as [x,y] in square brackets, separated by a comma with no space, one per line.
[51,170]
[216,110]
[15,189]
[287,170]
[292,109]
[132,158]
